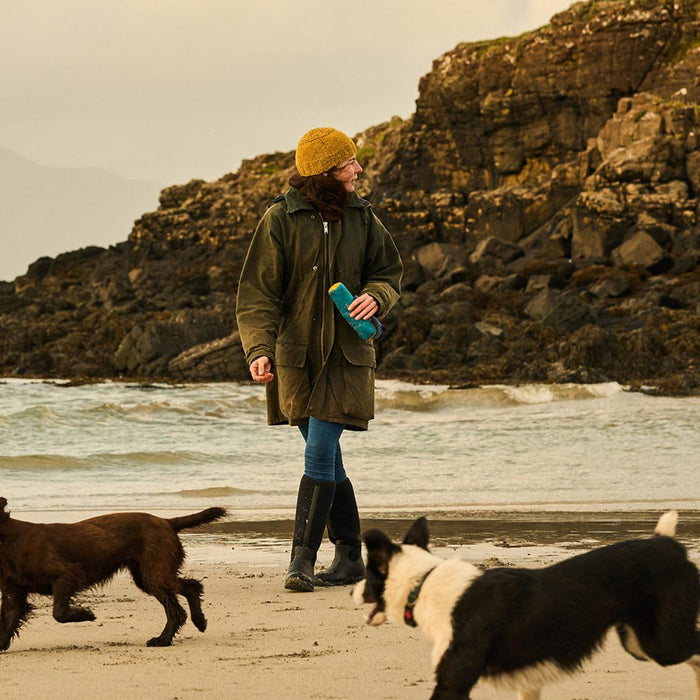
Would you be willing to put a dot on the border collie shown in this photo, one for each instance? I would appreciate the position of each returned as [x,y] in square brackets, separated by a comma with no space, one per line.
[522,628]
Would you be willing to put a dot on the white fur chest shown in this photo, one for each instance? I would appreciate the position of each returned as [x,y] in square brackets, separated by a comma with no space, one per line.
[438,596]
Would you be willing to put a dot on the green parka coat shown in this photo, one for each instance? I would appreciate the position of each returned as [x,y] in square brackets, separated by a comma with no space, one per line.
[322,367]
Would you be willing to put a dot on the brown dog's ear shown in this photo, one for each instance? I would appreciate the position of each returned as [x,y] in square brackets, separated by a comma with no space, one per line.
[418,534]
[3,503]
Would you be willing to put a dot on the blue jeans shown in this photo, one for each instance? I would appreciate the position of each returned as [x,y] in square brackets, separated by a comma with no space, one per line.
[323,459]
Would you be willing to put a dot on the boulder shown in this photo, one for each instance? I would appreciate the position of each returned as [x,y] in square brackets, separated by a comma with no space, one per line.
[563,312]
[435,259]
[157,342]
[218,360]
[639,251]
[692,168]
[496,249]
[616,286]
[490,284]
[600,222]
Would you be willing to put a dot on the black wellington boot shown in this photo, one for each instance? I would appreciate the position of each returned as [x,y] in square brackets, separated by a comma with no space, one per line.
[344,531]
[313,504]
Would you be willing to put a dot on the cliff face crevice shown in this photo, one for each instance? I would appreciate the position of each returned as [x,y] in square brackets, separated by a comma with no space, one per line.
[544,196]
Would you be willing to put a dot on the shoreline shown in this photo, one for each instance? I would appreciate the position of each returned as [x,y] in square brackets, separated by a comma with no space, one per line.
[517,537]
[503,527]
[655,388]
[485,538]
[660,387]
[514,537]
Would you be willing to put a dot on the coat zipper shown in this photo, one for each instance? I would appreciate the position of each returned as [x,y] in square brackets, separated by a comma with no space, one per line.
[326,227]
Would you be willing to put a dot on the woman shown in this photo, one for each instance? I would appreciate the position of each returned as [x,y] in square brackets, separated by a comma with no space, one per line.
[319,374]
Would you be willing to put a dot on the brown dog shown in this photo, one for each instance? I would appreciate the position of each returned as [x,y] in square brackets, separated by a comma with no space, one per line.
[61,559]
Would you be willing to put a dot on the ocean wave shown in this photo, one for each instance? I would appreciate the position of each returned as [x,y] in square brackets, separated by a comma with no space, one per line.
[546,393]
[179,409]
[410,397]
[165,457]
[214,492]
[34,415]
[102,460]
[47,462]
[40,404]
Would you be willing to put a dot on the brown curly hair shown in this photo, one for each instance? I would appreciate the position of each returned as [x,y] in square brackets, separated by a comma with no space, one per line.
[326,194]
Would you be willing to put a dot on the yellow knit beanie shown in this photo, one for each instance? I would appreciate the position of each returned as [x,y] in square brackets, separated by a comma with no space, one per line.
[321,149]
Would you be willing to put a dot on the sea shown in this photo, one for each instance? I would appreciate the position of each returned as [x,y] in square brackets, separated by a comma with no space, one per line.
[71,451]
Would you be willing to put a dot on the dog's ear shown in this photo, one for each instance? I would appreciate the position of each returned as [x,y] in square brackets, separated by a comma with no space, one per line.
[418,534]
[376,540]
[3,503]
[380,549]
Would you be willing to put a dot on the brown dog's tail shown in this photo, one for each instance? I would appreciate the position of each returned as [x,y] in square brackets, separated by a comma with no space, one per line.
[196,519]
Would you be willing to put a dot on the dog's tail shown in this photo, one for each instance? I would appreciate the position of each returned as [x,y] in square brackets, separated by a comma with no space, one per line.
[195,519]
[667,524]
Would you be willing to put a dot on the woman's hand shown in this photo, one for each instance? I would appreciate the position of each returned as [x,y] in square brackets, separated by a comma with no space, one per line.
[364,307]
[261,370]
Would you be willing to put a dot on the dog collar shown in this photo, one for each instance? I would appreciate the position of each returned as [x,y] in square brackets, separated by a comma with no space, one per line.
[408,617]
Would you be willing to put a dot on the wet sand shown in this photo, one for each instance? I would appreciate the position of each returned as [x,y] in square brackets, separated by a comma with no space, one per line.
[576,530]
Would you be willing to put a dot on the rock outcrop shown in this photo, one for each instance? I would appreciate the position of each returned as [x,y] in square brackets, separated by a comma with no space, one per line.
[544,196]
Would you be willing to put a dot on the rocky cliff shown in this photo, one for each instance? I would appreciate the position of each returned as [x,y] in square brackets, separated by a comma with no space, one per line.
[544,196]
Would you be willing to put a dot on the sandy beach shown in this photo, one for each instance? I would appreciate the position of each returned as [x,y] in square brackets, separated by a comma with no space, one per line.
[265,642]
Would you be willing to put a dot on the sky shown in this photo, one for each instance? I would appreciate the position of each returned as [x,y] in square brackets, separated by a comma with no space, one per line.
[170,90]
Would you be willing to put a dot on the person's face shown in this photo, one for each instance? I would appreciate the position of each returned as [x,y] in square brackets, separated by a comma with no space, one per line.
[347,173]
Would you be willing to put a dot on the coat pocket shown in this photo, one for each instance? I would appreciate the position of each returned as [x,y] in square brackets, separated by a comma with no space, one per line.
[293,385]
[359,362]
[289,355]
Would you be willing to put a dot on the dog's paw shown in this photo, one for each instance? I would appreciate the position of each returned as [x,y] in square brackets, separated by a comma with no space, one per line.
[74,615]
[159,642]
[357,593]
[81,615]
[376,618]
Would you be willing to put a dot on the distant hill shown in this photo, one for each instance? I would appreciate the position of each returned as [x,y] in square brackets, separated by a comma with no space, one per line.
[47,210]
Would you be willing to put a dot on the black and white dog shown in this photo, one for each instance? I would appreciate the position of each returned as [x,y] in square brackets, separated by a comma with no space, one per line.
[523,628]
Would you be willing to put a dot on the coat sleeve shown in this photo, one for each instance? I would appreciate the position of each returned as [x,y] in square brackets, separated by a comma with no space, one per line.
[383,267]
[260,290]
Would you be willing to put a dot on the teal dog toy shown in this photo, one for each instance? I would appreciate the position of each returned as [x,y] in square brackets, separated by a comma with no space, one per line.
[365,328]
